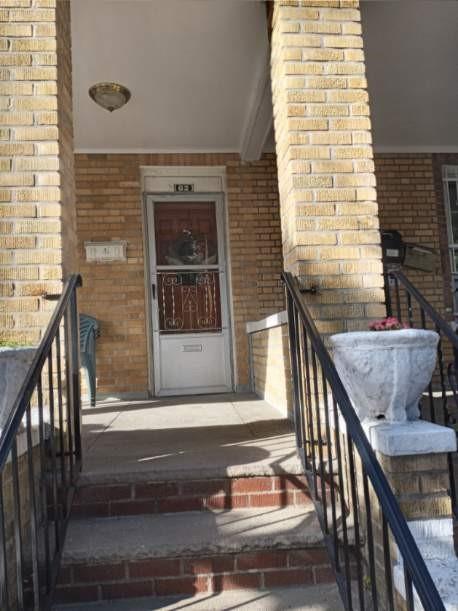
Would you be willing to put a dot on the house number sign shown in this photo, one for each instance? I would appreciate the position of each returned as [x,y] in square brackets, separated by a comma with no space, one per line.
[104,252]
[182,187]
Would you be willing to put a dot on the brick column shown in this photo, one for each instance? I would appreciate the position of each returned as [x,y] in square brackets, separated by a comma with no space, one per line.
[37,198]
[325,161]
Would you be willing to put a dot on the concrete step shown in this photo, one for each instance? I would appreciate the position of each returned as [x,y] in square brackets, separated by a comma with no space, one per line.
[324,597]
[192,553]
[146,497]
[187,438]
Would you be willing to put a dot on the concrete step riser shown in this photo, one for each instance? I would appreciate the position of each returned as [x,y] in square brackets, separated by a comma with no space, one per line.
[193,575]
[107,500]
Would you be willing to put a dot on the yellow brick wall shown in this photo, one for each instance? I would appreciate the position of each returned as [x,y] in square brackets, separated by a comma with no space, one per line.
[109,203]
[325,162]
[36,162]
[271,369]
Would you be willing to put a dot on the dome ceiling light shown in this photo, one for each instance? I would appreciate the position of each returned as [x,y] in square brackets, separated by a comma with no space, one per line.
[110,96]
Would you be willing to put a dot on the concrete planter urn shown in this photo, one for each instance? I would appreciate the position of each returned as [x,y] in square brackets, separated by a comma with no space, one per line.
[385,373]
[14,363]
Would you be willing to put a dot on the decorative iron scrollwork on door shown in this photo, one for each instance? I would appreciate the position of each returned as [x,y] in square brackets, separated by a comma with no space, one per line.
[189,302]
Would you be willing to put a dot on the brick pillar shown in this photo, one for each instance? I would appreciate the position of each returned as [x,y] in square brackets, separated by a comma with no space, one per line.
[413,456]
[37,197]
[325,160]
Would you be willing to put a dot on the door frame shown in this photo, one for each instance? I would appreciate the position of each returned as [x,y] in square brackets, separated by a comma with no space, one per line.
[450,174]
[217,198]
[210,181]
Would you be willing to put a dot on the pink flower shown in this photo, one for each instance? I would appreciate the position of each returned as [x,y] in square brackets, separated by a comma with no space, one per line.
[390,323]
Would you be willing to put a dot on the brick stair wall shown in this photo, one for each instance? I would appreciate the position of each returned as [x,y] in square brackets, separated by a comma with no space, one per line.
[122,499]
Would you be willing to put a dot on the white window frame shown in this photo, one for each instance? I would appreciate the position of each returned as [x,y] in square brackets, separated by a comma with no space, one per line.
[450,175]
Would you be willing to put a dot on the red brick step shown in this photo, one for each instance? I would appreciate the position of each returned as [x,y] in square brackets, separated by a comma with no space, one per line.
[192,552]
[262,569]
[123,499]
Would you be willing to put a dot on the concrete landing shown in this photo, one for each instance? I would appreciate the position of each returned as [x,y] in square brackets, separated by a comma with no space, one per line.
[316,598]
[99,540]
[183,437]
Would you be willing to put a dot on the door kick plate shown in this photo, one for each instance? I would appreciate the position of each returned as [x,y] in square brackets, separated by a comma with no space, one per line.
[192,348]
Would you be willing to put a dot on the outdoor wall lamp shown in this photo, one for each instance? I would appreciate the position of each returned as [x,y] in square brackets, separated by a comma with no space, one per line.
[110,96]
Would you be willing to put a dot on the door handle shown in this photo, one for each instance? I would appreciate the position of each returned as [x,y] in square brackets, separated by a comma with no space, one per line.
[153,290]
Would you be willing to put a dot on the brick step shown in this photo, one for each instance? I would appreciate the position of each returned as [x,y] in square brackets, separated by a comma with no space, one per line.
[191,553]
[123,499]
[194,575]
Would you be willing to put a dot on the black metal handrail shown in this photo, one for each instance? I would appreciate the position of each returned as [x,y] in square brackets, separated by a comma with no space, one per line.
[356,531]
[407,303]
[412,292]
[40,456]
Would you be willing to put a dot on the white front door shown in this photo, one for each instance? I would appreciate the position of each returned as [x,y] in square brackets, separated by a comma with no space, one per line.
[191,335]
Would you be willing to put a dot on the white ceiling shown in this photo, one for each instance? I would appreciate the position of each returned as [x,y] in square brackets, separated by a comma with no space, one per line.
[412,51]
[192,66]
[197,72]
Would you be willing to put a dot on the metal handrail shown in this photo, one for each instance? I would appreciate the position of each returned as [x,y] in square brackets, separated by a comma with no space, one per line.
[40,472]
[425,305]
[414,566]
[18,408]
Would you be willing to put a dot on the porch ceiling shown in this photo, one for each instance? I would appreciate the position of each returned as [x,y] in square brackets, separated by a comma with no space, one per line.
[193,67]
[197,72]
[411,50]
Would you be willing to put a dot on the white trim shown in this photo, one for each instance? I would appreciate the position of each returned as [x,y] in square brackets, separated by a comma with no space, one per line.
[153,151]
[148,295]
[416,148]
[258,121]
[183,170]
[190,172]
[381,148]
[275,320]
[450,173]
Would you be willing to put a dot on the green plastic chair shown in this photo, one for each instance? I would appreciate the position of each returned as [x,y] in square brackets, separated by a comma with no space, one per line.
[89,332]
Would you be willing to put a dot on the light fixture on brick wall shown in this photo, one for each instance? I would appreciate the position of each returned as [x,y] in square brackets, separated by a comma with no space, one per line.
[110,96]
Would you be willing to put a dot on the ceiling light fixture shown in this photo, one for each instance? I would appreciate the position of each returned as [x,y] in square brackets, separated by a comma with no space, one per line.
[110,96]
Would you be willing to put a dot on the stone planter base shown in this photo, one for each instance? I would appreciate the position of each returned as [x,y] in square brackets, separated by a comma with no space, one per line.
[385,372]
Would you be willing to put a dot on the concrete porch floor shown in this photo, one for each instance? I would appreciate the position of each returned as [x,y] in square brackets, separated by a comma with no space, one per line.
[181,437]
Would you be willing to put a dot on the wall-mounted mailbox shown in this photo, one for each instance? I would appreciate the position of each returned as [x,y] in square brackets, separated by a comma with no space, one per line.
[396,252]
[393,248]
[420,257]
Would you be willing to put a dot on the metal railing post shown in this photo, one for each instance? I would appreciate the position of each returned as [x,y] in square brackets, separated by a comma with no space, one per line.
[75,374]
[294,349]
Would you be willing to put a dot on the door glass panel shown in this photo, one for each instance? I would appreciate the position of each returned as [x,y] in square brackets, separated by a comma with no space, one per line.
[185,233]
[189,302]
